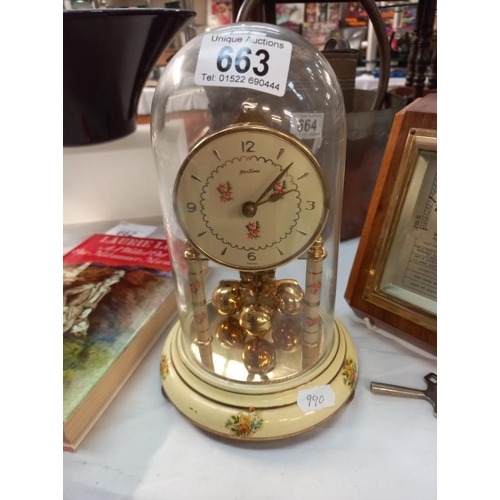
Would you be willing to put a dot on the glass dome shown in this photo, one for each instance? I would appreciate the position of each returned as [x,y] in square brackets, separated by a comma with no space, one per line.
[248,131]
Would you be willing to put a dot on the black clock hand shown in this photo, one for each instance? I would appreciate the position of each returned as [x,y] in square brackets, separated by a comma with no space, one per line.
[249,208]
[282,173]
[275,197]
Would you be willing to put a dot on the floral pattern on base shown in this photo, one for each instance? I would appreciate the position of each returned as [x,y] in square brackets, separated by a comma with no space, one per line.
[244,424]
[164,367]
[350,372]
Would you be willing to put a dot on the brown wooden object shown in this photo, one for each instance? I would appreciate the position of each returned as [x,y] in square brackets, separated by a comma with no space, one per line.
[432,80]
[420,53]
[420,114]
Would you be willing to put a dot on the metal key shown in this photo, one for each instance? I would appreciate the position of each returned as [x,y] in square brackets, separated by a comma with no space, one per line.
[395,390]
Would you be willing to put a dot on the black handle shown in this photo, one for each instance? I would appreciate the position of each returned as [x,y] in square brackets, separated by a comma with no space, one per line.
[248,6]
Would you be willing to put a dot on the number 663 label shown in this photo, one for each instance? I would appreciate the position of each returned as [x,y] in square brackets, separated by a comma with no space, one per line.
[244,60]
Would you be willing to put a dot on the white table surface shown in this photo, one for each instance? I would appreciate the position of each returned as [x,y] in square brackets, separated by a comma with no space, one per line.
[376,447]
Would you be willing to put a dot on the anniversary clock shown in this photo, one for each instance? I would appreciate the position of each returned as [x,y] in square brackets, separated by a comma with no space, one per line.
[248,132]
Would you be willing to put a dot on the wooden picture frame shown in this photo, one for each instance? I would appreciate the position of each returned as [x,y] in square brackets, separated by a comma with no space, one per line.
[393,281]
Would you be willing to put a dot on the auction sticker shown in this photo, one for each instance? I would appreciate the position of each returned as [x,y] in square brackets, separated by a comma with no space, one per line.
[316,398]
[308,125]
[244,60]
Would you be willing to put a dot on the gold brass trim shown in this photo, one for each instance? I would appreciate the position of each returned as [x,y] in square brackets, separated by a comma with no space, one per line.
[252,127]
[418,140]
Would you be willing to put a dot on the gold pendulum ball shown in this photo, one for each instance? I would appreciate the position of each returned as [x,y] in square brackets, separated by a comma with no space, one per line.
[257,319]
[287,334]
[259,356]
[289,298]
[227,297]
[230,333]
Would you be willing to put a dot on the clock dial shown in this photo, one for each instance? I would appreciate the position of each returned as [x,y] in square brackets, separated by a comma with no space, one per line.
[250,197]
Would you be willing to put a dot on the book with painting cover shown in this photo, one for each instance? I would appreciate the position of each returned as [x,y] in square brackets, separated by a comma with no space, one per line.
[118,300]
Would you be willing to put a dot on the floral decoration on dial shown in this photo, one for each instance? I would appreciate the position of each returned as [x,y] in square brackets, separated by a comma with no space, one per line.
[250,197]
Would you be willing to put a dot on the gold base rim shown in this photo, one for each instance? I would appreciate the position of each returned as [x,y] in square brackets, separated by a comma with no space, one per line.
[229,419]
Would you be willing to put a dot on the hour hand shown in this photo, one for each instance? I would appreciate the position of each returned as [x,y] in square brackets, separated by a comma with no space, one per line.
[276,196]
[275,181]
[250,207]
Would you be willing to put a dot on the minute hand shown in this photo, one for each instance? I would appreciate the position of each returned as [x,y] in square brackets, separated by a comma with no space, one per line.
[275,181]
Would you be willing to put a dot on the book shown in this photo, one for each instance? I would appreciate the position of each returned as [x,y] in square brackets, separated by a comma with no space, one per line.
[118,300]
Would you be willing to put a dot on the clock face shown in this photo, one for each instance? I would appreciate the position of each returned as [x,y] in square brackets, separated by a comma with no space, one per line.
[250,197]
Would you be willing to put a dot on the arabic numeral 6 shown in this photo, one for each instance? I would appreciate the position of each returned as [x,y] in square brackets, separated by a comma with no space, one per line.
[224,60]
[242,62]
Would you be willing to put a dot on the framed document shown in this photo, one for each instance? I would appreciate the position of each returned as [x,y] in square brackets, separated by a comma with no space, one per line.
[393,281]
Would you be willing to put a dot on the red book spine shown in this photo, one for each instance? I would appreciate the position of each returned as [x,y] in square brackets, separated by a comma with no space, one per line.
[114,250]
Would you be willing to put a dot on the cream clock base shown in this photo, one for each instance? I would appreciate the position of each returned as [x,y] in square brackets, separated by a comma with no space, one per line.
[256,415]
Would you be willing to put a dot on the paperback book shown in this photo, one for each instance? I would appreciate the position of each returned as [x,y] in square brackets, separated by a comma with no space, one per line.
[118,298]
